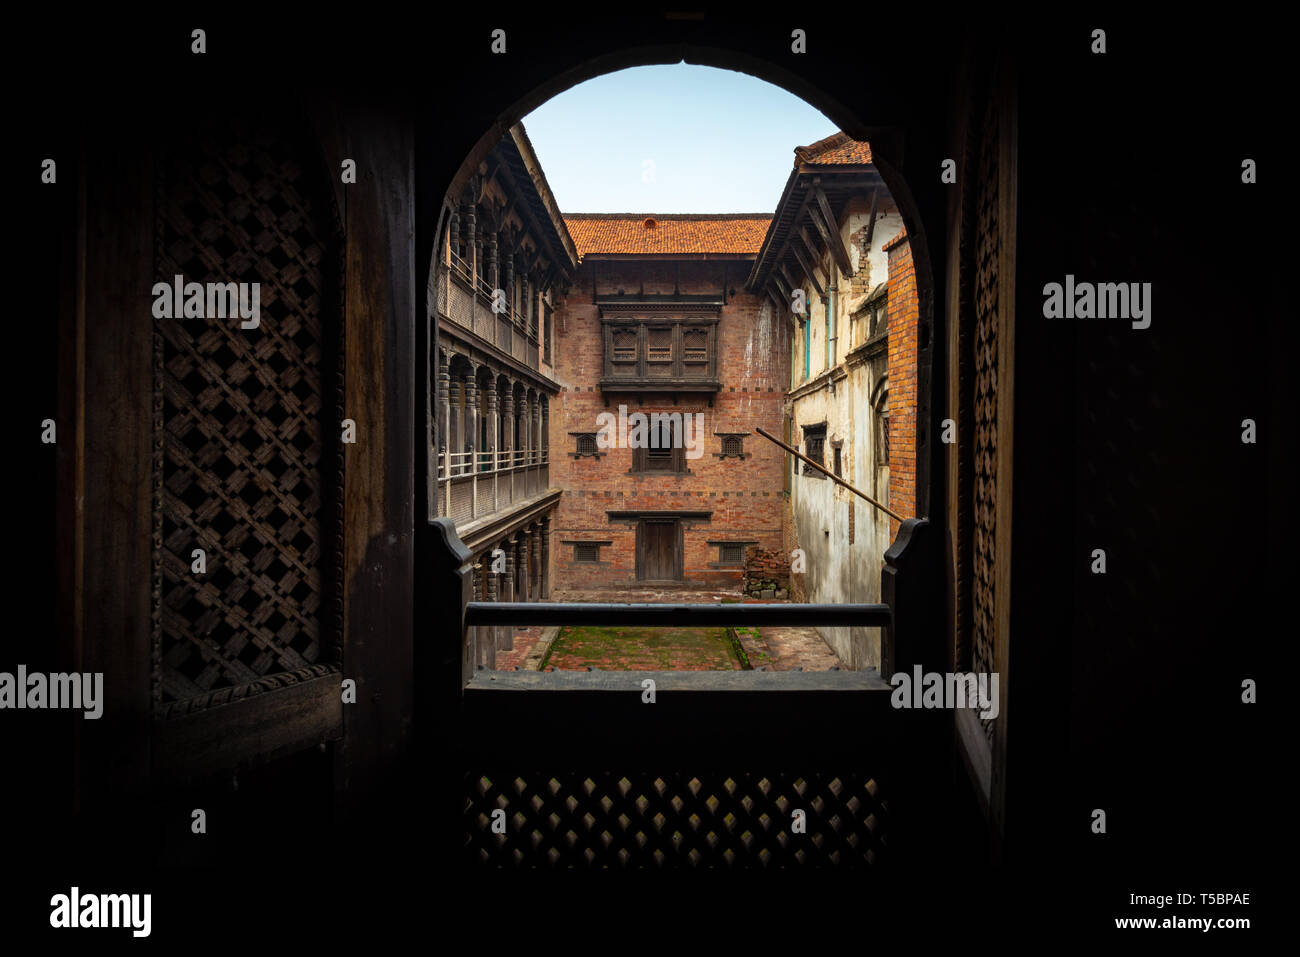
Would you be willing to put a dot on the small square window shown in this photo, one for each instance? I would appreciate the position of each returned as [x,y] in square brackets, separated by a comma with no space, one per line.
[587,445]
[731,553]
[733,446]
[587,552]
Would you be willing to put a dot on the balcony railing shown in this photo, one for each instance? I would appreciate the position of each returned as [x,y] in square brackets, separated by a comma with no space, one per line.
[472,485]
[466,300]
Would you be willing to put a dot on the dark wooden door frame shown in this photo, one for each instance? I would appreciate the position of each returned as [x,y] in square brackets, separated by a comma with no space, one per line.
[643,557]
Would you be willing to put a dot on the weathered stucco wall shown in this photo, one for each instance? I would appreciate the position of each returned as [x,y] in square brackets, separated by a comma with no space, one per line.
[843,537]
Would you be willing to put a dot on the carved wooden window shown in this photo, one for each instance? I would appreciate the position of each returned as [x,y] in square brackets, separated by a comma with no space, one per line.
[663,450]
[695,347]
[659,351]
[625,348]
[586,552]
[814,440]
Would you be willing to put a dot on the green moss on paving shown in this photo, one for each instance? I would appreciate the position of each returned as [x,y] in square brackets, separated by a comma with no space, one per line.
[629,649]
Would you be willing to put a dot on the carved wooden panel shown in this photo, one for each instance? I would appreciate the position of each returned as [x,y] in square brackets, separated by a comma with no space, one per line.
[675,820]
[248,461]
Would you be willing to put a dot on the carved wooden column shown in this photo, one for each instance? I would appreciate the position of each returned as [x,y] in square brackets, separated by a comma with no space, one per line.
[508,261]
[525,440]
[546,557]
[486,636]
[506,484]
[444,413]
[455,423]
[493,638]
[526,563]
[491,447]
[492,272]
[508,585]
[471,423]
[453,235]
[546,434]
[471,241]
[536,445]
[476,576]
[535,560]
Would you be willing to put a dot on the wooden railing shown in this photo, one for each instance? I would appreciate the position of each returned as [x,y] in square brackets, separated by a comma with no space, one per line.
[592,773]
[473,485]
[467,299]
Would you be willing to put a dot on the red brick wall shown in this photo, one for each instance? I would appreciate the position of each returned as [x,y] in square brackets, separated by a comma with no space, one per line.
[744,495]
[902,380]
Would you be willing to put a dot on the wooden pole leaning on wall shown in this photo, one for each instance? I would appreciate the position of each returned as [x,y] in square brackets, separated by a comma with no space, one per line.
[830,475]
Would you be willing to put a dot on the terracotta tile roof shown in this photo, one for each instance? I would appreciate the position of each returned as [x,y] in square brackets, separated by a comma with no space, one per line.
[671,233]
[836,150]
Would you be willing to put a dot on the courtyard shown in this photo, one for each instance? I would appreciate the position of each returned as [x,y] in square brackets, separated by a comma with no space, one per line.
[666,649]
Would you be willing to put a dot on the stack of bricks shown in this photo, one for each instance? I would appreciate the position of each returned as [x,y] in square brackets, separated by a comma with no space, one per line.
[767,573]
[902,379]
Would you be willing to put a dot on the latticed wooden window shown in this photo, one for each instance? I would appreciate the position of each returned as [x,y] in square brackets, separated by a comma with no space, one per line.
[731,553]
[624,345]
[733,445]
[660,344]
[659,455]
[247,457]
[695,346]
[588,552]
[814,440]
[587,445]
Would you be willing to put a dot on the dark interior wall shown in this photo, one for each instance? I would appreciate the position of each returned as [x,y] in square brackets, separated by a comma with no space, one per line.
[1130,440]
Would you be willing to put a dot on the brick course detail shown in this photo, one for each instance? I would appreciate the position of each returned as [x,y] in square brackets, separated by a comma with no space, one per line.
[902,317]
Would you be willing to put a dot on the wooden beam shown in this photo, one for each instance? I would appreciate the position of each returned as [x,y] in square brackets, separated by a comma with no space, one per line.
[785,290]
[781,307]
[810,244]
[785,271]
[831,232]
[871,223]
[808,269]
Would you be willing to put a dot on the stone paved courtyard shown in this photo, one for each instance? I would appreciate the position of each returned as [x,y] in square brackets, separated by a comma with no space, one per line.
[664,649]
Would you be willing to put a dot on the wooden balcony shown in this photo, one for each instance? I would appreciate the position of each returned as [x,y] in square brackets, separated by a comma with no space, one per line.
[660,355]
[466,300]
[473,485]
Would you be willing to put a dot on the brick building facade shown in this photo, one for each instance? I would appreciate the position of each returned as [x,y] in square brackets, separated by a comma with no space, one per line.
[599,431]
[658,324]
[902,312]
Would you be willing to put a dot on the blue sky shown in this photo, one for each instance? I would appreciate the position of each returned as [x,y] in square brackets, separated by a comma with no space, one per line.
[671,139]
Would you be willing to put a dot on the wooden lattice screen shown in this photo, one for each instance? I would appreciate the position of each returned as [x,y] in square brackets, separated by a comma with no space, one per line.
[248,453]
[986,368]
[675,820]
